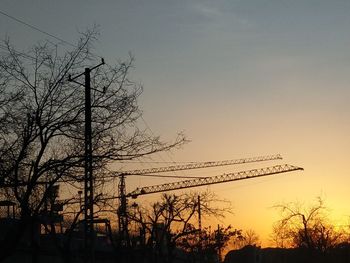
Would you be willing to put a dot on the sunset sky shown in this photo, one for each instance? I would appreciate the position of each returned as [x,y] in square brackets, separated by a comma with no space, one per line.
[239,78]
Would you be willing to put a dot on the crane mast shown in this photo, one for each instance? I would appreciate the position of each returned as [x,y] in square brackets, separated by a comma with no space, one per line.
[122,212]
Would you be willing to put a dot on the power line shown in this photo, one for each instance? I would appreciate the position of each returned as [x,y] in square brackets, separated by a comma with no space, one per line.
[169,156]
[36,28]
[43,32]
[17,52]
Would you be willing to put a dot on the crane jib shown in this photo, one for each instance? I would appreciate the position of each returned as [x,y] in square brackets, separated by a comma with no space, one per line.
[277,169]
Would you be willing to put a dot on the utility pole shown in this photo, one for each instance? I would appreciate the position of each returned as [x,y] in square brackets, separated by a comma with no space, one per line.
[199,214]
[89,233]
[200,245]
[219,242]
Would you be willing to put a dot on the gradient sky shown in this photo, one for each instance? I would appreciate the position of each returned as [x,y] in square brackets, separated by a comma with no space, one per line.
[240,78]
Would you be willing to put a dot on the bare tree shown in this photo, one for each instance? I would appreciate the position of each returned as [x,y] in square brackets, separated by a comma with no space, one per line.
[42,124]
[208,244]
[247,238]
[171,223]
[307,228]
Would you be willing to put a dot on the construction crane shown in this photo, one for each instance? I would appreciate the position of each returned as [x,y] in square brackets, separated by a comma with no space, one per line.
[152,171]
[224,178]
[197,165]
[122,210]
[196,182]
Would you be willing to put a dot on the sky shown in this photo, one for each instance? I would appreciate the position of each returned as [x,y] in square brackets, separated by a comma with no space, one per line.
[239,78]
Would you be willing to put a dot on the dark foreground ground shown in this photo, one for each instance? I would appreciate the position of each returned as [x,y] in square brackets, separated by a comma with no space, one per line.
[340,254]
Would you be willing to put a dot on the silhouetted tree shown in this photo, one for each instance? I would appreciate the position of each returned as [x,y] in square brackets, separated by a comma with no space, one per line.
[42,124]
[307,228]
[171,221]
[207,245]
[247,238]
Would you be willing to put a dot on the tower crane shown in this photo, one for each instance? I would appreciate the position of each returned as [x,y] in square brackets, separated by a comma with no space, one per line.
[122,174]
[197,165]
[189,183]
[122,210]
[224,178]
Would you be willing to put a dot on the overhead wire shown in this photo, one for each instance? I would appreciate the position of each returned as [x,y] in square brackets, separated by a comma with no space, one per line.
[35,28]
[172,160]
[61,40]
[147,163]
[17,52]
